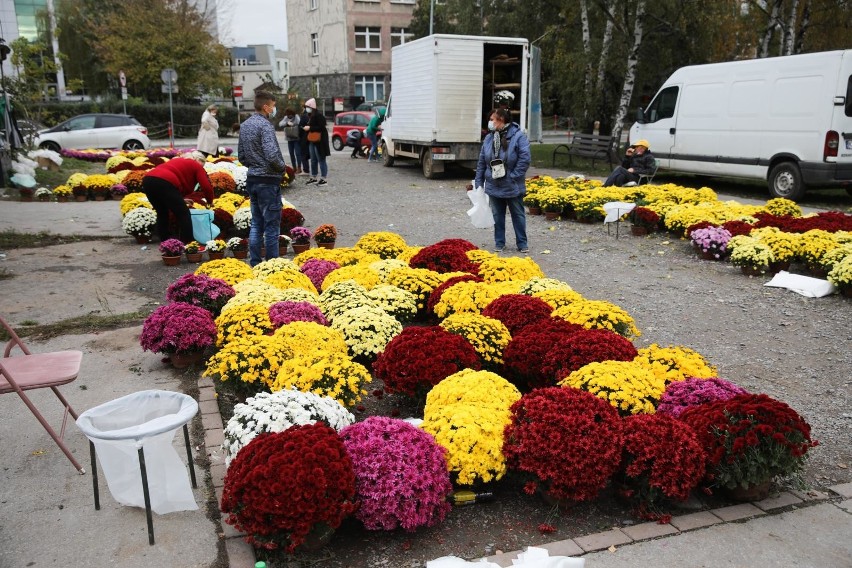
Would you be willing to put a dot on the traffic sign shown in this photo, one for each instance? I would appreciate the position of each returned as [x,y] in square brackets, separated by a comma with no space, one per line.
[169,88]
[122,79]
[238,91]
[169,75]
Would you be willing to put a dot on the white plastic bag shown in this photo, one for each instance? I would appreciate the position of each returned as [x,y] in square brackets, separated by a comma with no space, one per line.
[147,419]
[480,214]
[803,285]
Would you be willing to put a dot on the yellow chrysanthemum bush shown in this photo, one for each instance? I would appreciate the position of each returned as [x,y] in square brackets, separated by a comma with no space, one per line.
[674,363]
[629,387]
[230,270]
[836,255]
[479,255]
[467,414]
[229,202]
[273,266]
[247,364]
[534,285]
[362,274]
[750,252]
[285,279]
[366,330]
[841,274]
[785,246]
[558,297]
[471,297]
[382,243]
[343,296]
[488,336]
[384,267]
[418,281]
[343,256]
[397,303]
[242,320]
[100,184]
[814,245]
[497,269]
[300,295]
[598,314]
[253,291]
[324,373]
[130,202]
[301,337]
[780,206]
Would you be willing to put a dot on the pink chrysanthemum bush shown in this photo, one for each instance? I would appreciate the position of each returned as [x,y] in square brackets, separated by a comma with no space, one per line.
[567,440]
[282,486]
[178,328]
[282,313]
[682,395]
[317,269]
[201,290]
[401,477]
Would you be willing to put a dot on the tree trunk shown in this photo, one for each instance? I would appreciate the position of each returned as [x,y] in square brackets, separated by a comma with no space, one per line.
[587,51]
[789,29]
[629,73]
[770,29]
[606,42]
[802,29]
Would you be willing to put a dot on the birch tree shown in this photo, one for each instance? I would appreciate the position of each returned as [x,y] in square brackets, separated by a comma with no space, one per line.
[630,72]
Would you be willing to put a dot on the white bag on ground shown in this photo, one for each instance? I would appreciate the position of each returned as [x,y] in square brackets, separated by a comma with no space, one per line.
[533,557]
[804,285]
[147,419]
[480,214]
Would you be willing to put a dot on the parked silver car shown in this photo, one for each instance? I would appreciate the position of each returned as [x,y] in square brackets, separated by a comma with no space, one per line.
[95,131]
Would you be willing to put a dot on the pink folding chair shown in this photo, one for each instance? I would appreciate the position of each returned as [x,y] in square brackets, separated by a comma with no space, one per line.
[30,371]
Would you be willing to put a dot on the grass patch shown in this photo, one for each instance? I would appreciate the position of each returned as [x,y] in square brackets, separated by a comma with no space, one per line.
[79,325]
[11,239]
[69,166]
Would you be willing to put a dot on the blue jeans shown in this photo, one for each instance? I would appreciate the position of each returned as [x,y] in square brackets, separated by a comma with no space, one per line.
[519,220]
[265,220]
[374,145]
[295,153]
[317,157]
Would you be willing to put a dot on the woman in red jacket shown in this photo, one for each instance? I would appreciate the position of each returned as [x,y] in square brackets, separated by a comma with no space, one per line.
[170,185]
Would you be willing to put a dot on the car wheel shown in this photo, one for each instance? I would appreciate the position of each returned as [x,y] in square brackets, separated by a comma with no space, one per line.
[133,145]
[785,180]
[337,143]
[52,146]
[387,159]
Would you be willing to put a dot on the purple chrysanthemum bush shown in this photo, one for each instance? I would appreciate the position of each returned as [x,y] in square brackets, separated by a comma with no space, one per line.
[682,395]
[201,290]
[178,328]
[401,477]
[282,313]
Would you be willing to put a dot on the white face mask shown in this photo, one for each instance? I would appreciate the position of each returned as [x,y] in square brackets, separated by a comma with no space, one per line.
[273,112]
[309,110]
[491,125]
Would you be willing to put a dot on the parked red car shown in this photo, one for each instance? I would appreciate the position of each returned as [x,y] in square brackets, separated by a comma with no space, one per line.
[346,121]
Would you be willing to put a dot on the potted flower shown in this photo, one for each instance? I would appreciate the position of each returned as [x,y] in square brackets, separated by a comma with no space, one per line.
[752,256]
[711,242]
[643,221]
[180,330]
[301,238]
[139,222]
[325,235]
[118,191]
[283,243]
[242,221]
[171,249]
[532,202]
[553,200]
[201,290]
[193,251]
[80,191]
[100,185]
[290,217]
[841,276]
[238,247]
[306,469]
[43,194]
[215,249]
[750,440]
[26,193]
[62,193]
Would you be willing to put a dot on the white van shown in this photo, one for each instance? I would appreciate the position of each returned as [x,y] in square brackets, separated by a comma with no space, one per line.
[786,120]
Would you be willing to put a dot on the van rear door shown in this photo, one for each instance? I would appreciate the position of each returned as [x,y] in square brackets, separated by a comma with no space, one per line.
[842,117]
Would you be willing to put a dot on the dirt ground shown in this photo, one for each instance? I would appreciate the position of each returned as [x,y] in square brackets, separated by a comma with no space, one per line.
[765,339]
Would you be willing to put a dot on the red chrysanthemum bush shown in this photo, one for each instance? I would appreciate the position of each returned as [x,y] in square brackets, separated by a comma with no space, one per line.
[584,347]
[525,354]
[401,475]
[420,357]
[568,440]
[446,256]
[517,311]
[281,486]
[750,439]
[662,459]
[435,295]
[737,227]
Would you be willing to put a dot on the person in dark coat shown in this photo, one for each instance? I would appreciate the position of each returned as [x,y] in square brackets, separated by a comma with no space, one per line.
[637,160]
[319,150]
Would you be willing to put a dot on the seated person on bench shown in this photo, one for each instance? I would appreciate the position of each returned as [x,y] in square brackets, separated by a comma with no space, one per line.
[638,160]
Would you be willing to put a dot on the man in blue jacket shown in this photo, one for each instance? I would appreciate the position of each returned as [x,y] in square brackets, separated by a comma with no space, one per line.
[502,170]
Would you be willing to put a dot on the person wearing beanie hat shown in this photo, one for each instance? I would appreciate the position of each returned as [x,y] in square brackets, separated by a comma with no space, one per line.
[637,160]
[318,149]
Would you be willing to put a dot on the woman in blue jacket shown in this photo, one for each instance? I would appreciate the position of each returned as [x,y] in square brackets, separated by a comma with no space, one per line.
[502,170]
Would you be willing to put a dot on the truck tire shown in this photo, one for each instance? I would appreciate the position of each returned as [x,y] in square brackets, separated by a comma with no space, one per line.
[785,180]
[387,159]
[337,143]
[428,164]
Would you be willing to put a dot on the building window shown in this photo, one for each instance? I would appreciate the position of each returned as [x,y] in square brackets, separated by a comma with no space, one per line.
[371,87]
[368,39]
[241,61]
[227,63]
[400,36]
[314,44]
[312,4]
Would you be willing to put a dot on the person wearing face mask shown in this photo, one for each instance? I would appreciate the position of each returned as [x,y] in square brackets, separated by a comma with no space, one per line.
[319,149]
[258,149]
[501,170]
[208,134]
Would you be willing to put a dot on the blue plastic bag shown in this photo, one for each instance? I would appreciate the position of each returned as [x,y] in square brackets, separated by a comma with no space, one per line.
[203,229]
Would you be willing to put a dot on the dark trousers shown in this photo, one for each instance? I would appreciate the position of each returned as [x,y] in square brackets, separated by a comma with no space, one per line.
[619,177]
[165,198]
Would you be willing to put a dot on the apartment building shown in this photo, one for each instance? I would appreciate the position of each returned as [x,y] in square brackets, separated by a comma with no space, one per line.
[340,50]
[255,66]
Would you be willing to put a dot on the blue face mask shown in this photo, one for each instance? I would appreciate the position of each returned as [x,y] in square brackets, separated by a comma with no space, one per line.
[273,112]
[491,125]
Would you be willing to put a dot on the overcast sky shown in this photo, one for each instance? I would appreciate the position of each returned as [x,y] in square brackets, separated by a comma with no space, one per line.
[244,22]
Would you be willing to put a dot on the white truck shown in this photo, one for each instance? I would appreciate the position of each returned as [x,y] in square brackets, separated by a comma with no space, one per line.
[443,90]
[785,120]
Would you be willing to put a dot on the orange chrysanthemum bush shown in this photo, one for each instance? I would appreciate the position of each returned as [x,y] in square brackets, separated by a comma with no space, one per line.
[133,180]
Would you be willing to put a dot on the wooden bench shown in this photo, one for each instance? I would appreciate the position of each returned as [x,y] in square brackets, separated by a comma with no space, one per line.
[592,146]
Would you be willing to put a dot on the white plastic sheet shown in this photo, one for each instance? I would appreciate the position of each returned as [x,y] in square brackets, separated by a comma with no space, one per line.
[615,209]
[533,557]
[804,285]
[147,419]
[480,214]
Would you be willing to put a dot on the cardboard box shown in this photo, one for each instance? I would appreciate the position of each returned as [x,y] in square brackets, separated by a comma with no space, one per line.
[47,164]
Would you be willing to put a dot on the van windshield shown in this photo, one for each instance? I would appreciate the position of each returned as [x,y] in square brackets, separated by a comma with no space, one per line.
[663,105]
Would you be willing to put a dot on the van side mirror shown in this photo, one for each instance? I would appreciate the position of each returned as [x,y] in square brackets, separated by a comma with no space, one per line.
[640,115]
